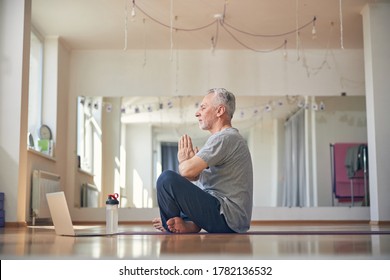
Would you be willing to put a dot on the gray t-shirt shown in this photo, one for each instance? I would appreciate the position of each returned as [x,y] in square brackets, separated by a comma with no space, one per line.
[229,176]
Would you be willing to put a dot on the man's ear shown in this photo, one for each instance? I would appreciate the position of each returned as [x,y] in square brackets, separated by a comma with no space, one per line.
[221,110]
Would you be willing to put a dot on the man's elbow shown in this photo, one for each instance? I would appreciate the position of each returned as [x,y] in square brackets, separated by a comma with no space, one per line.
[188,173]
[192,168]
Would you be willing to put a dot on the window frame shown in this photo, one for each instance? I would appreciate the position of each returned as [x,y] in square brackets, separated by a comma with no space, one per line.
[35,86]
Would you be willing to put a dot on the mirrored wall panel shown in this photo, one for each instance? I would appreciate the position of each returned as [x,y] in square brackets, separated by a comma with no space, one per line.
[124,143]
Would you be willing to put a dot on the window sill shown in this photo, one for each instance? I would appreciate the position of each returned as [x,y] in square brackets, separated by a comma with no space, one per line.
[40,154]
[86,172]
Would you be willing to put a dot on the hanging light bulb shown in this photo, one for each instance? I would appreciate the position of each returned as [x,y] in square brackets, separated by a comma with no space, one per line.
[313,30]
[285,50]
[133,10]
[322,106]
[212,45]
[301,103]
[314,106]
[108,107]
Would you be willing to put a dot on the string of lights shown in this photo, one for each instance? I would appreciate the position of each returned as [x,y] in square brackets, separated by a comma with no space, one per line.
[219,21]
[259,108]
[312,22]
[237,34]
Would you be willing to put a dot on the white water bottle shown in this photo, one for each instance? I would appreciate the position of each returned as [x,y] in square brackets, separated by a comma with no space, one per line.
[112,204]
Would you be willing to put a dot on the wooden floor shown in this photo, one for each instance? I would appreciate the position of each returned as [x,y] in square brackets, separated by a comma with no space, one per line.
[43,243]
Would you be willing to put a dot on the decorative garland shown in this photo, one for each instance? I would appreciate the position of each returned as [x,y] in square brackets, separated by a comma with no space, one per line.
[219,21]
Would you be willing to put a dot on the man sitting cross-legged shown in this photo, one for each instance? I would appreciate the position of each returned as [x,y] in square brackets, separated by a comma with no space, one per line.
[223,169]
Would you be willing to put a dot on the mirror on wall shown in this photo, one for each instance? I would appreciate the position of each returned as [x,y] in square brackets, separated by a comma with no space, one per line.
[124,143]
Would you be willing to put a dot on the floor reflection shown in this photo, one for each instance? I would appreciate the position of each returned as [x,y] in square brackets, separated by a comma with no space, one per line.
[17,243]
[227,244]
[325,245]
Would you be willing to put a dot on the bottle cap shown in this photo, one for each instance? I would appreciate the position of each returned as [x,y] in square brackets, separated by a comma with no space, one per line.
[112,199]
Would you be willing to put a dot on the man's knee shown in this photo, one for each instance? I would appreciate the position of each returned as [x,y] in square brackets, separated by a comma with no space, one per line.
[167,177]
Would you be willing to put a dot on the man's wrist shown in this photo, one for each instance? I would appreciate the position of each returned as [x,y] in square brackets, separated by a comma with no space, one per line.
[182,160]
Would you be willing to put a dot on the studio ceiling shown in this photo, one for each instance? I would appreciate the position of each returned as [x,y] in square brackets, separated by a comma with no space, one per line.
[160,24]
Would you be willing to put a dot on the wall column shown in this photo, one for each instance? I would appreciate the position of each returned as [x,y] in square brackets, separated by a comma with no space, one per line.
[376,23]
[15,18]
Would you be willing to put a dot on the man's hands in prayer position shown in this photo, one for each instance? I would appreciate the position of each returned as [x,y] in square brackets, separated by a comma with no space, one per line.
[185,149]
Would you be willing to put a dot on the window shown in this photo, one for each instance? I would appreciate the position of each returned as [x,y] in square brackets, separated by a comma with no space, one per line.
[89,133]
[169,156]
[35,88]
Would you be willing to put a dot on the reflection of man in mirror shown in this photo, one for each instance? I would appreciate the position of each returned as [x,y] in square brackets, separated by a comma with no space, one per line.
[223,169]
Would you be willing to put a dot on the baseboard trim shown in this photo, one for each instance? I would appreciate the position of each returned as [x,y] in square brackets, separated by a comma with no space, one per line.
[308,222]
[15,224]
[253,223]
[379,223]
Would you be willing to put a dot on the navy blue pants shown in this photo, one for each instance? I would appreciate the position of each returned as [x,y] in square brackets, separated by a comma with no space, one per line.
[178,197]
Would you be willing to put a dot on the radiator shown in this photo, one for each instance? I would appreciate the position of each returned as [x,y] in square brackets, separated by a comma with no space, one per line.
[42,183]
[89,195]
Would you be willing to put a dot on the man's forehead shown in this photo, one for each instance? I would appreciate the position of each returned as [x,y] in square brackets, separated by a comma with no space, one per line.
[207,100]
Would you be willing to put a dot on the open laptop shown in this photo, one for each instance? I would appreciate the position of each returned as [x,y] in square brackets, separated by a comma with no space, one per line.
[62,221]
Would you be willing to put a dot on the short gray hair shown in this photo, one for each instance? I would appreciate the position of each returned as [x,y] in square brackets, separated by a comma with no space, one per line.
[226,98]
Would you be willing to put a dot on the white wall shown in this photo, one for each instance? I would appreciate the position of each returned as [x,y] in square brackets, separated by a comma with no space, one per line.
[122,73]
[263,145]
[14,70]
[139,172]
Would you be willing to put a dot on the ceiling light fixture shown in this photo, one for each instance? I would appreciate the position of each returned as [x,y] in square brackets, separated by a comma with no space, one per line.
[219,17]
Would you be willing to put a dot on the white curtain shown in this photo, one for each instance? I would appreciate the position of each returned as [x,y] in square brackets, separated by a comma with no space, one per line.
[294,194]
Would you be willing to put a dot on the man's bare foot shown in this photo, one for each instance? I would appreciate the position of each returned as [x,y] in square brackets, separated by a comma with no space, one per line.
[178,225]
[157,224]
